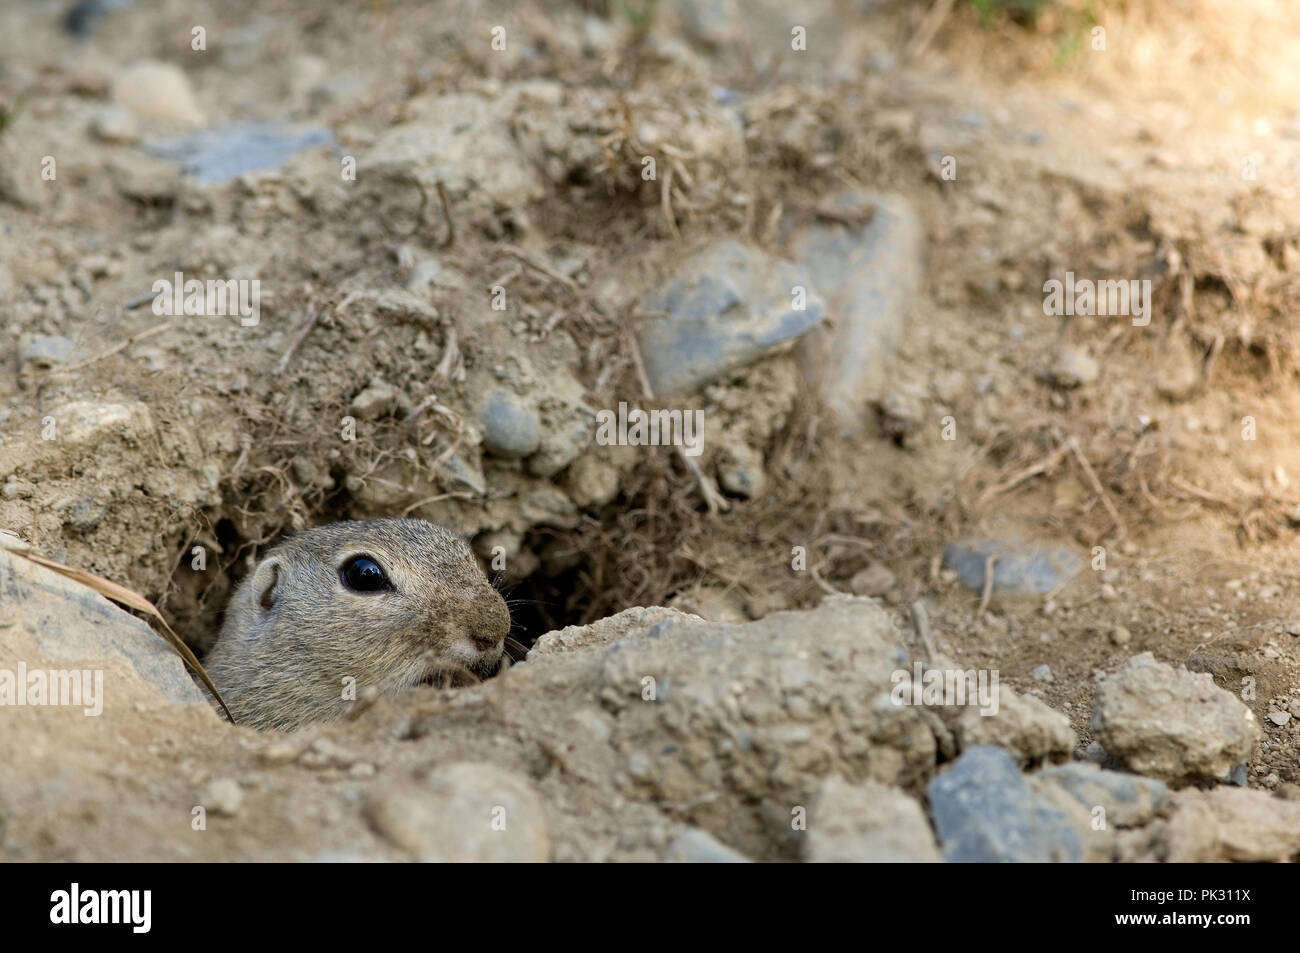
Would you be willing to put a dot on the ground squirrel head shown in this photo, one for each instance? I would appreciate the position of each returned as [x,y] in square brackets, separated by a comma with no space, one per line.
[383,604]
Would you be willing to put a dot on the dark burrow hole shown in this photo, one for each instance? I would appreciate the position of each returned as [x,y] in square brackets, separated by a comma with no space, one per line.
[541,603]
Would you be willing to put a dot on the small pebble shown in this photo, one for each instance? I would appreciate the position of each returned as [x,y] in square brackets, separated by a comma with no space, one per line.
[324,753]
[378,400]
[224,797]
[1074,368]
[154,90]
[45,352]
[875,580]
[279,752]
[510,428]
[115,124]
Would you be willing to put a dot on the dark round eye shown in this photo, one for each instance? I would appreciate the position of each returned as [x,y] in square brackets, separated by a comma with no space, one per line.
[363,574]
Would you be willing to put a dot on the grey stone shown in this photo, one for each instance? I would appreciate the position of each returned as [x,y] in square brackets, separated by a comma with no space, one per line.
[985,812]
[510,429]
[226,152]
[87,513]
[1043,673]
[694,846]
[67,622]
[1129,799]
[46,351]
[1095,753]
[1172,724]
[115,124]
[1022,568]
[462,475]
[869,275]
[1074,368]
[725,307]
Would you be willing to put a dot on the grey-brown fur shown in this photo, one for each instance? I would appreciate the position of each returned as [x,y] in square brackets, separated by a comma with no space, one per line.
[285,665]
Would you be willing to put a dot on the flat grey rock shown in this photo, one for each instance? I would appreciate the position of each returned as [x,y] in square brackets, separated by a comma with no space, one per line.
[1022,568]
[75,627]
[224,153]
[985,812]
[46,351]
[727,306]
[869,275]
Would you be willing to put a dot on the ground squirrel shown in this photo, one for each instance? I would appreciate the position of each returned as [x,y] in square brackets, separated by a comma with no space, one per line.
[386,603]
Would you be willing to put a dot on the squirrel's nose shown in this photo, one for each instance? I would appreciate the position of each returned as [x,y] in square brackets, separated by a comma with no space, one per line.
[490,634]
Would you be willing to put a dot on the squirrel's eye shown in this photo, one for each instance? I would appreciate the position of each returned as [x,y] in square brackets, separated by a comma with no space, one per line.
[363,574]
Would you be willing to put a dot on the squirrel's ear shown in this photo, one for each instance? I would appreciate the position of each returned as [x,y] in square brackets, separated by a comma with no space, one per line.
[266,584]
